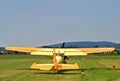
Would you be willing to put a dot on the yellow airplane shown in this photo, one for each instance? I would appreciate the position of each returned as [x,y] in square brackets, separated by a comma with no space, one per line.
[59,56]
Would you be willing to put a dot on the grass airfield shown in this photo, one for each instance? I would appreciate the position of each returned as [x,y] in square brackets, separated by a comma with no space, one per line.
[97,68]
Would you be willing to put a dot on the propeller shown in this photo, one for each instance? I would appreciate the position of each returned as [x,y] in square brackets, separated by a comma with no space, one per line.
[63,45]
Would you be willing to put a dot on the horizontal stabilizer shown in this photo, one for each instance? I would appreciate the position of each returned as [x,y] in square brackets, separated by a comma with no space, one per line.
[42,66]
[67,66]
[51,66]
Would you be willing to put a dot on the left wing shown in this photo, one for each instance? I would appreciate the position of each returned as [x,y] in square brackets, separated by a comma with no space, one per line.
[22,49]
[32,51]
[65,51]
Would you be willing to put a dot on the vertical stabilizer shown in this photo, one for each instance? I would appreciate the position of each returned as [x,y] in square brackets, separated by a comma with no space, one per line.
[54,59]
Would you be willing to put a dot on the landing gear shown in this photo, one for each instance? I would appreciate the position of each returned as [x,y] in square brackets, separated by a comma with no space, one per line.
[83,72]
[55,71]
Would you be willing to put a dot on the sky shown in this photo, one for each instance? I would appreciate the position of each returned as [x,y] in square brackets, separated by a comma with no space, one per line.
[44,22]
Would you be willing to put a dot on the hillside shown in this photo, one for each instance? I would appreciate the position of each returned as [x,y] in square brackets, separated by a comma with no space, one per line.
[87,44]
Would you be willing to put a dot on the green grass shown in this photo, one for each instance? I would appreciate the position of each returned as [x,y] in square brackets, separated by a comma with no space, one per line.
[97,68]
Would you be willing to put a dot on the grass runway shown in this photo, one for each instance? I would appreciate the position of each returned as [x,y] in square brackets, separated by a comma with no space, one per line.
[97,68]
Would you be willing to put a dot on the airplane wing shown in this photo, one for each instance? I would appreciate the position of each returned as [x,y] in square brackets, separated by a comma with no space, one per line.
[83,51]
[32,51]
[48,51]
[22,49]
[64,51]
[97,50]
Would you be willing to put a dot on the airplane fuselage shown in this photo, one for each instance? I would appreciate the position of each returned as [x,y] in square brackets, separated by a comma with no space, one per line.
[60,59]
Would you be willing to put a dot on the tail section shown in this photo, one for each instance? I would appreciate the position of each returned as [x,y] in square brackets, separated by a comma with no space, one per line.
[67,66]
[42,66]
[54,59]
[54,66]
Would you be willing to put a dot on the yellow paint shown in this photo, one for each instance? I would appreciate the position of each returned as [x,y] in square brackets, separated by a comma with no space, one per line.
[51,66]
[58,60]
[66,51]
[42,66]
[54,58]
